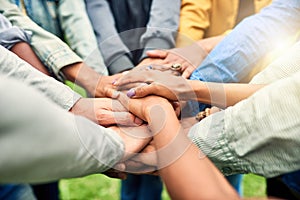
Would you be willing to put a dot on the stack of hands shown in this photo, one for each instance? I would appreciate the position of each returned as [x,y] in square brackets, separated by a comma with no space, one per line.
[126,101]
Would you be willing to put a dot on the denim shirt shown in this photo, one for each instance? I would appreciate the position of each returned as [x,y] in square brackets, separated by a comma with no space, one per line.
[69,21]
[44,14]
[233,59]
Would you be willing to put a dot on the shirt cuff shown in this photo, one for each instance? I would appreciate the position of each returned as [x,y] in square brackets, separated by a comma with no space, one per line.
[208,135]
[59,59]
[155,43]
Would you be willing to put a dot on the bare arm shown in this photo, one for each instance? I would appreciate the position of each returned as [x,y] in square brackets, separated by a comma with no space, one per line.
[222,95]
[177,88]
[177,155]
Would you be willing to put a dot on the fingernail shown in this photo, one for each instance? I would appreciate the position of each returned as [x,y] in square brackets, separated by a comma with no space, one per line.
[131,93]
[114,81]
[138,121]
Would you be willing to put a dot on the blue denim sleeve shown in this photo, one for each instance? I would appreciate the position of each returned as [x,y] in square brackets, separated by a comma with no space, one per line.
[248,44]
[234,58]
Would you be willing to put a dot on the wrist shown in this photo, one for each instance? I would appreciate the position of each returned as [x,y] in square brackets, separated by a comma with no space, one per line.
[82,75]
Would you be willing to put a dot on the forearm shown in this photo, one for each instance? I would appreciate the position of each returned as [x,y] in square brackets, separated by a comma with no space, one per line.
[24,51]
[113,49]
[209,43]
[267,122]
[68,146]
[82,75]
[258,35]
[177,155]
[162,26]
[222,95]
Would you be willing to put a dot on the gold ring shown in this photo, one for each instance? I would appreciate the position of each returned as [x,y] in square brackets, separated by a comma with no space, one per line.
[176,66]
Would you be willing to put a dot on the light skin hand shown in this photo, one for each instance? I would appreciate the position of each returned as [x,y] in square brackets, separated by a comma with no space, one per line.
[134,138]
[105,111]
[177,155]
[158,83]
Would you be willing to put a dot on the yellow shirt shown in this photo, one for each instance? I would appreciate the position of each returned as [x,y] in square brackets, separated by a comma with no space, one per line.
[206,18]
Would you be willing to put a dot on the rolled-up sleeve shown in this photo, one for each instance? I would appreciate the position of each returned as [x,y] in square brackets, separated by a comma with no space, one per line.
[12,66]
[258,135]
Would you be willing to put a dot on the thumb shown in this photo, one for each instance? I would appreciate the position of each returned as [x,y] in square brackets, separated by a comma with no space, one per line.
[141,91]
[157,54]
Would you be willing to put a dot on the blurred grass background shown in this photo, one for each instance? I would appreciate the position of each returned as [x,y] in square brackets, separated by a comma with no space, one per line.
[100,187]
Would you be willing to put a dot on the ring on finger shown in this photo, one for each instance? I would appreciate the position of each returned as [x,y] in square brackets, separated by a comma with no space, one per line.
[176,67]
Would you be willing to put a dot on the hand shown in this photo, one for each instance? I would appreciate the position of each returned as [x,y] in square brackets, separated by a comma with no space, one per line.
[96,85]
[143,163]
[162,84]
[105,112]
[105,87]
[118,171]
[134,138]
[155,63]
[141,107]
[189,58]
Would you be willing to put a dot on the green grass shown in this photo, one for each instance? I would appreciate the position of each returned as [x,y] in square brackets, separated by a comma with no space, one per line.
[100,187]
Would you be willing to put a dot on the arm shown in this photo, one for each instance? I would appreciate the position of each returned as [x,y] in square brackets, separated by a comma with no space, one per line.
[257,135]
[176,155]
[250,42]
[114,51]
[17,40]
[179,89]
[51,50]
[57,56]
[12,66]
[162,26]
[79,33]
[194,20]
[52,144]
[103,111]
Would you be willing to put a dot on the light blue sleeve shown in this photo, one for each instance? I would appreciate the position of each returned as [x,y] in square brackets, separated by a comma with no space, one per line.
[10,35]
[256,36]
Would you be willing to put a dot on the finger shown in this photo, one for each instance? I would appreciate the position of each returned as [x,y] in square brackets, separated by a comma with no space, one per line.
[187,73]
[139,168]
[128,86]
[141,91]
[118,175]
[177,108]
[133,76]
[146,158]
[109,92]
[127,119]
[107,118]
[157,54]
[124,100]
[214,109]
